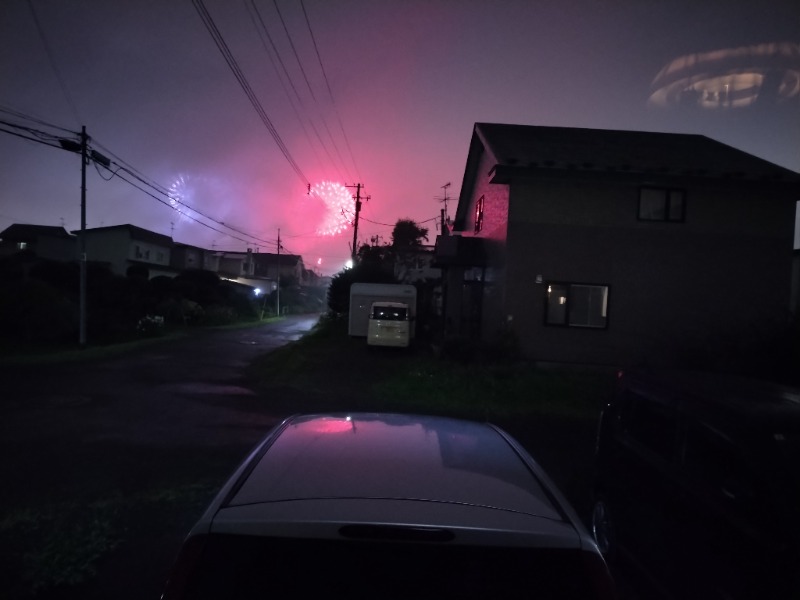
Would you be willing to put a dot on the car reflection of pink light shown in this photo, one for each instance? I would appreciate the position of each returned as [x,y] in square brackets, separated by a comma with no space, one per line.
[331,426]
[338,206]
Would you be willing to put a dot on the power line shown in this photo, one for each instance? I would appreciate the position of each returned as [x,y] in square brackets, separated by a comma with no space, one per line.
[53,65]
[330,92]
[240,77]
[308,84]
[264,31]
[121,167]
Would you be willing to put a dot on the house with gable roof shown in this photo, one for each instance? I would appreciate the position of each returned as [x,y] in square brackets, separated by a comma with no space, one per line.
[617,247]
[45,241]
[124,247]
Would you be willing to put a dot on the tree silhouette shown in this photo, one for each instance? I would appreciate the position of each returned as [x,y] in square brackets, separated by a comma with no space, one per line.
[407,235]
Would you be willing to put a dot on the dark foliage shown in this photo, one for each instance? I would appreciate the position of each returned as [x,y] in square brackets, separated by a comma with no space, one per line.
[39,302]
[407,235]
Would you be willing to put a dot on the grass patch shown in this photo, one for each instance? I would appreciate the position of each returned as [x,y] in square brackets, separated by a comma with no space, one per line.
[326,362]
[62,544]
[495,391]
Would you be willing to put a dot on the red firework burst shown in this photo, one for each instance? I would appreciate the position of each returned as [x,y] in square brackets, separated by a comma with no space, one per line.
[338,207]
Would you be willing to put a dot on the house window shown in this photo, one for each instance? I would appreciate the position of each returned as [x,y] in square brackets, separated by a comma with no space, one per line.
[479,215]
[576,305]
[662,204]
[22,245]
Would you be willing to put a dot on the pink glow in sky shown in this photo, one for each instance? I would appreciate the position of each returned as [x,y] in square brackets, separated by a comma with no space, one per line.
[406,81]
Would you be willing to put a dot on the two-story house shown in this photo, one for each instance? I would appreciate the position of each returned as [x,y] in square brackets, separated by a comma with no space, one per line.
[617,247]
[126,246]
[45,241]
[287,266]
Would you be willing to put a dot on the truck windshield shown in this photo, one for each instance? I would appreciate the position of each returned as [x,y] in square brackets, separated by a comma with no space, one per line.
[390,313]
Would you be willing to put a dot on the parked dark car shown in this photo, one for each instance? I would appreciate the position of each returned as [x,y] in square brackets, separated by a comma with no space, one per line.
[697,484]
[389,506]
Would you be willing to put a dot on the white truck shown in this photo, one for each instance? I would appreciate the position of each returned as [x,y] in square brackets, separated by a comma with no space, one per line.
[389,325]
[364,295]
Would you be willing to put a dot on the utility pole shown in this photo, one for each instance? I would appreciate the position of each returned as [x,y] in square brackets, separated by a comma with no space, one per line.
[278,295]
[82,240]
[83,149]
[357,198]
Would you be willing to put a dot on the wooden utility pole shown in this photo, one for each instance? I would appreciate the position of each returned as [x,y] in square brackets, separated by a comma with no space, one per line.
[357,198]
[82,148]
[278,295]
[82,241]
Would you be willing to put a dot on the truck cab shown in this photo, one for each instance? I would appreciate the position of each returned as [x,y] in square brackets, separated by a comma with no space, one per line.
[389,324]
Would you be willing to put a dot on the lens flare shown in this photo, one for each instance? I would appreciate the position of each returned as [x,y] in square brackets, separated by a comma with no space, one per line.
[338,207]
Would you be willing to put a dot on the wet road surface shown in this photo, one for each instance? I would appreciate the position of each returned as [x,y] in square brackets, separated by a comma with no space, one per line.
[151,421]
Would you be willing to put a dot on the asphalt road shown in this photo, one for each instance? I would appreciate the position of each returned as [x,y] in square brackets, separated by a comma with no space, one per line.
[83,432]
[174,392]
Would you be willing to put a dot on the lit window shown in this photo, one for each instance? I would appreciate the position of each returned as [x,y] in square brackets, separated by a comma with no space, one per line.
[479,215]
[22,245]
[662,204]
[576,305]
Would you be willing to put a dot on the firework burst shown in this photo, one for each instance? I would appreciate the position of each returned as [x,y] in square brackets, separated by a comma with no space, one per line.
[180,195]
[338,206]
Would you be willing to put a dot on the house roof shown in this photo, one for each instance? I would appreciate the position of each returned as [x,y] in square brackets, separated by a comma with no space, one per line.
[267,258]
[535,151]
[579,149]
[136,233]
[22,232]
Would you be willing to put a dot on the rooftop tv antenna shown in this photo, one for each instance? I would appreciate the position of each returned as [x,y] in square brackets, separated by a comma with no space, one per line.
[444,199]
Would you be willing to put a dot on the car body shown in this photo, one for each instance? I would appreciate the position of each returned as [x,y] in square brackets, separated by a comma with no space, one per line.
[389,506]
[697,484]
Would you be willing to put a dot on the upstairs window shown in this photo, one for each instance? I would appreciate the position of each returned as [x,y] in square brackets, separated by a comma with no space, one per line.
[479,214]
[577,305]
[662,204]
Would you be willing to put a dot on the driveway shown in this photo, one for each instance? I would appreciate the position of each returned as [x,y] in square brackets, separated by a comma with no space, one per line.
[157,429]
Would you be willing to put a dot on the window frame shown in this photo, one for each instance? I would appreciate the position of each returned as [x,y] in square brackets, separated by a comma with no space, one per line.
[479,208]
[666,207]
[568,305]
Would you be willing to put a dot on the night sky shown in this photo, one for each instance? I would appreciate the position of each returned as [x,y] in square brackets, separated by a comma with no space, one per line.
[403,83]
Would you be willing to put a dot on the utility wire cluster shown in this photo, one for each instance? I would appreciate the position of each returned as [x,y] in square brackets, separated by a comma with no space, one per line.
[58,137]
[55,136]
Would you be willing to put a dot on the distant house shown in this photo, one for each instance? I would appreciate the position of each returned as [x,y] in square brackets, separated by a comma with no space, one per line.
[416,265]
[49,242]
[126,247]
[186,257]
[617,247]
[287,266]
[230,265]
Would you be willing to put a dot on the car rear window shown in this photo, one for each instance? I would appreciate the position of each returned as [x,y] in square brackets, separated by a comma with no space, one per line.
[243,567]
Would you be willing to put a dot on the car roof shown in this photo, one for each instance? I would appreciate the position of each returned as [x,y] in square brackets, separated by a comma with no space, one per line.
[365,456]
[749,400]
